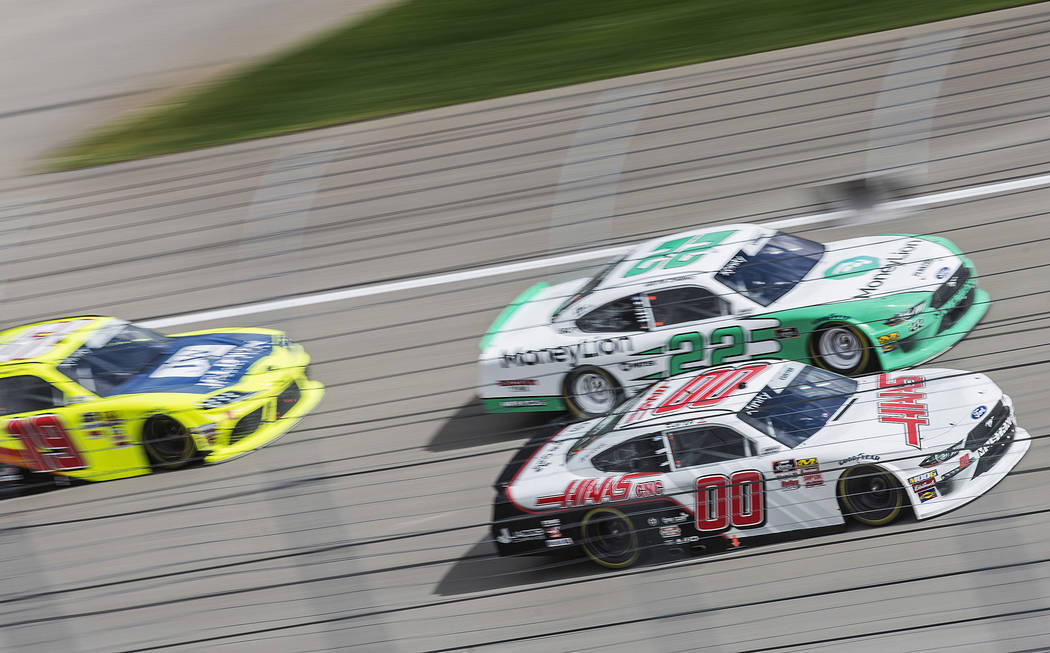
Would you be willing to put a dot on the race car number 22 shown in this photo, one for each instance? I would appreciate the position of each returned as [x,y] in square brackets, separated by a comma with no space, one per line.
[48,445]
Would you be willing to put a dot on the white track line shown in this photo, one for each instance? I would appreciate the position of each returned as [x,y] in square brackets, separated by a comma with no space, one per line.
[536,264]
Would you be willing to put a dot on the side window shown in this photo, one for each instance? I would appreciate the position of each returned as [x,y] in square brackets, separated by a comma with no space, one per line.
[23,394]
[620,315]
[706,445]
[677,305]
[644,454]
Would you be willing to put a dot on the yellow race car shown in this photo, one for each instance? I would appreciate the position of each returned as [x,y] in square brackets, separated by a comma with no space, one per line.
[97,398]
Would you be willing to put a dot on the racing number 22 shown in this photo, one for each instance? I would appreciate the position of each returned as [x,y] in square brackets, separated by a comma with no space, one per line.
[737,501]
[47,443]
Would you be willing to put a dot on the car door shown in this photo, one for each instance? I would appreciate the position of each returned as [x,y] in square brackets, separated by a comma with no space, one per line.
[716,477]
[57,429]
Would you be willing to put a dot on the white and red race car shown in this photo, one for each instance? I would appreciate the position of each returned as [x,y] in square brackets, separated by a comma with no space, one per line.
[757,448]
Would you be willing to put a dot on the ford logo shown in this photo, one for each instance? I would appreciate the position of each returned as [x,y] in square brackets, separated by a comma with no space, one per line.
[978,413]
[943,272]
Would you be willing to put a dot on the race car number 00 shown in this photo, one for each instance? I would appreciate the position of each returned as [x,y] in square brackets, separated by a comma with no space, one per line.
[738,501]
[709,388]
[47,443]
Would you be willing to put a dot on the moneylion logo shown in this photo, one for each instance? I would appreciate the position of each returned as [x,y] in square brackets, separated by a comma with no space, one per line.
[852,267]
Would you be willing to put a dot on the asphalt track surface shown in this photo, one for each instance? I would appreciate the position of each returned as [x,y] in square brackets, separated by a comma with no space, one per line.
[366,526]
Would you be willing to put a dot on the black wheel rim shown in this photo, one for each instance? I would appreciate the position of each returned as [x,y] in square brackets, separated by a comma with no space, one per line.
[167,442]
[610,540]
[872,494]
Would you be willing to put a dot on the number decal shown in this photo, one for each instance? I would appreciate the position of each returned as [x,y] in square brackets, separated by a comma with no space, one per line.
[47,443]
[722,351]
[738,501]
[709,388]
[669,255]
[190,362]
[678,362]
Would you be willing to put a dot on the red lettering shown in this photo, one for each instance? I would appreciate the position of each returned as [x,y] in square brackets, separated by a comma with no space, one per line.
[903,405]
[709,388]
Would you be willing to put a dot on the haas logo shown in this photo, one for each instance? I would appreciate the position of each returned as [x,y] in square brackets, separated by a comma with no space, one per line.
[900,403]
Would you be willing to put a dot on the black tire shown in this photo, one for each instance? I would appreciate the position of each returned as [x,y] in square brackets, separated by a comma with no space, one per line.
[841,348]
[609,538]
[168,443]
[871,495]
[591,392]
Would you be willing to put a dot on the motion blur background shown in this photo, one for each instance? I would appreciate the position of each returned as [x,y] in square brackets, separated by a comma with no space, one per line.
[366,526]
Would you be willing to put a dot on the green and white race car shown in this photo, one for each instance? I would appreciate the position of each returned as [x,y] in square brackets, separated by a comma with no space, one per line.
[724,294]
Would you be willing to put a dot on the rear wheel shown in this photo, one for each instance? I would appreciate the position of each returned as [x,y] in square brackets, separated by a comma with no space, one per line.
[591,391]
[871,495]
[608,537]
[167,442]
[841,348]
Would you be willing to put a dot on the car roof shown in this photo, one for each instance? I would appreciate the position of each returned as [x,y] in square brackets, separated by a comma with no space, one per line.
[47,342]
[714,392]
[730,239]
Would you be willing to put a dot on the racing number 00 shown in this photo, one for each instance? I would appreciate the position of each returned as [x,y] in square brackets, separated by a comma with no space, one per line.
[738,501]
[47,443]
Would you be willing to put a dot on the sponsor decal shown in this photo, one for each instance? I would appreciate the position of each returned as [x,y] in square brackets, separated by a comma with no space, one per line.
[943,272]
[729,269]
[999,433]
[547,457]
[784,466]
[859,457]
[590,491]
[563,541]
[964,461]
[979,412]
[756,402]
[785,333]
[808,466]
[654,395]
[522,403]
[922,268]
[627,366]
[789,484]
[922,477]
[916,325]
[889,337]
[524,535]
[670,531]
[231,365]
[852,267]
[554,532]
[677,519]
[571,354]
[512,383]
[924,485]
[926,495]
[900,402]
[832,317]
[812,480]
[890,347]
[893,261]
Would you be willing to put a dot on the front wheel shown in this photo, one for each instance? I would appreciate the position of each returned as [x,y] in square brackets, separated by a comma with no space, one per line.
[841,348]
[591,392]
[871,495]
[167,442]
[608,538]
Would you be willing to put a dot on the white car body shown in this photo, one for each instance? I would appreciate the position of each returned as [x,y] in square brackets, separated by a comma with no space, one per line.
[901,423]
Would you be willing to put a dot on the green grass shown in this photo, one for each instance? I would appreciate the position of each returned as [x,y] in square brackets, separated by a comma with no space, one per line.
[429,53]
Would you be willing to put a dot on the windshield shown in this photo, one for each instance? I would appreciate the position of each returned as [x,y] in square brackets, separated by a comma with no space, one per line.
[588,287]
[797,404]
[112,355]
[773,271]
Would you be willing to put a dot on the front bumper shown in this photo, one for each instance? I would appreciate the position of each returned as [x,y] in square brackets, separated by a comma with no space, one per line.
[955,485]
[935,330]
[245,426]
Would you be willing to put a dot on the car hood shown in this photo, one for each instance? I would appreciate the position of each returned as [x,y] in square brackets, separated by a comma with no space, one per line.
[874,266]
[201,363]
[929,409]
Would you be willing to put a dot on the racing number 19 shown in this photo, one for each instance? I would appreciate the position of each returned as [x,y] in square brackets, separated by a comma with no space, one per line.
[737,501]
[47,444]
